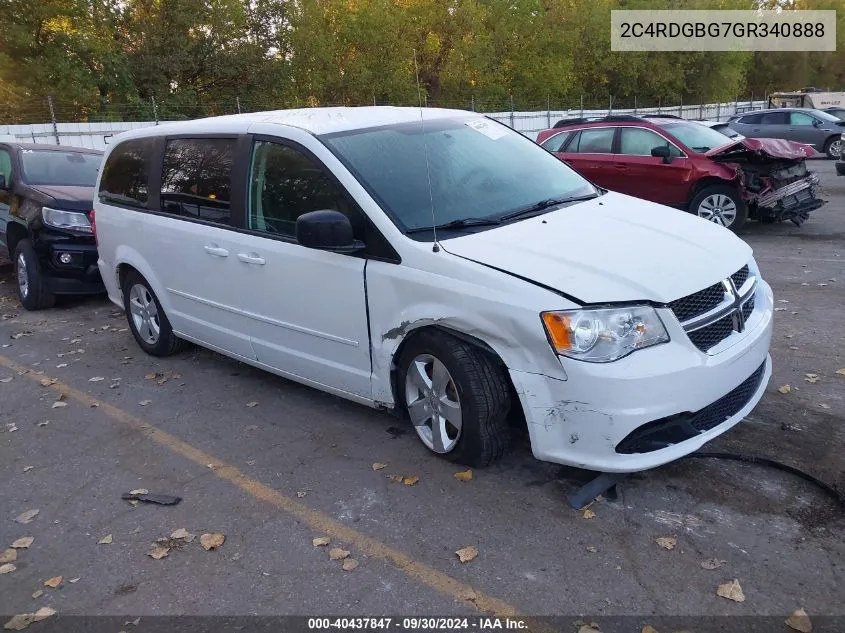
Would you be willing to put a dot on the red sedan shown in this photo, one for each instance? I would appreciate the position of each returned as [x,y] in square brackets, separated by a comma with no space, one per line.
[690,166]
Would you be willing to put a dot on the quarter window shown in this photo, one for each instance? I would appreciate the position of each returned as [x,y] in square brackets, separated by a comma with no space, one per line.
[556,142]
[635,141]
[284,184]
[196,181]
[593,141]
[124,179]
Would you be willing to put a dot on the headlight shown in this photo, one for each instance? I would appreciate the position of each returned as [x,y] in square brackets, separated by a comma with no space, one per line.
[73,220]
[601,335]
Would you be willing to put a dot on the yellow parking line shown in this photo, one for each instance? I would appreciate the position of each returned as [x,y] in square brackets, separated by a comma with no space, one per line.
[317,521]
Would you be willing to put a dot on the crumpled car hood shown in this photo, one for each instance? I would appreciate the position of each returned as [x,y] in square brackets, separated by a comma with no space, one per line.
[771,147]
[611,248]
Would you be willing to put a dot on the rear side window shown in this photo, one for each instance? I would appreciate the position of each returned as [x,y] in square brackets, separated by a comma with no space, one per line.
[124,179]
[774,118]
[593,141]
[196,180]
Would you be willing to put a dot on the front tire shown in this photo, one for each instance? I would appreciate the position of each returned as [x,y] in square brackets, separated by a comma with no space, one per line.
[833,148]
[457,397]
[31,284]
[722,205]
[147,320]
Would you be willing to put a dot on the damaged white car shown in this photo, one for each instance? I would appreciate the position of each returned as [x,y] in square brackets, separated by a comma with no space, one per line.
[442,265]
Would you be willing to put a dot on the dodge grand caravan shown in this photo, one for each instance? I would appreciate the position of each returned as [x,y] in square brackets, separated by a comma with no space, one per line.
[442,265]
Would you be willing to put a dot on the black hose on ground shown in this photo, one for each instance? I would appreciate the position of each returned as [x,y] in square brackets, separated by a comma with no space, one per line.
[765,461]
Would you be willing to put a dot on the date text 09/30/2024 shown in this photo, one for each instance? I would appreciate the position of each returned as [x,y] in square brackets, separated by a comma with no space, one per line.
[418,624]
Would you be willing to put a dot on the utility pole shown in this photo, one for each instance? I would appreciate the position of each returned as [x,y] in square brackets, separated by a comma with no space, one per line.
[155,109]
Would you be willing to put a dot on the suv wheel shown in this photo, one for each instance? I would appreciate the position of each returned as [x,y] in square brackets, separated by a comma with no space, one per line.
[456,397]
[147,320]
[722,205]
[32,286]
[833,148]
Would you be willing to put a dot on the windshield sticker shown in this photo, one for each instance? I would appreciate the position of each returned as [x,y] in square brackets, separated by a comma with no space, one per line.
[487,128]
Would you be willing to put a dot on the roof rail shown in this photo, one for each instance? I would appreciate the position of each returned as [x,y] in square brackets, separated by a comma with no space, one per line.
[662,116]
[597,119]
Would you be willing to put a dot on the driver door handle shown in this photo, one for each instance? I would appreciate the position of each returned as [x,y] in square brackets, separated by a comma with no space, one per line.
[213,249]
[251,258]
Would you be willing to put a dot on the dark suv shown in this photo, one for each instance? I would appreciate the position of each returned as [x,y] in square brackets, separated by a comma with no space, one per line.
[46,194]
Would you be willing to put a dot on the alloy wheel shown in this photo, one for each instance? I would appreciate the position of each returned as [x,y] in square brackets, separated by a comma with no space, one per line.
[23,276]
[719,209]
[144,313]
[433,403]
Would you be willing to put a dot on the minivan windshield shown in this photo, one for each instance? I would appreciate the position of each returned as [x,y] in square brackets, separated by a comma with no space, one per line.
[50,167]
[697,137]
[479,172]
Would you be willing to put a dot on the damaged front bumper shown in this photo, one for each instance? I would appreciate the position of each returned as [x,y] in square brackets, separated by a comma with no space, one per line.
[651,407]
[792,202]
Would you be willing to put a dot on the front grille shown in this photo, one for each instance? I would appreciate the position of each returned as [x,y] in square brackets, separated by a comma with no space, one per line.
[748,307]
[713,334]
[740,276]
[698,303]
[678,428]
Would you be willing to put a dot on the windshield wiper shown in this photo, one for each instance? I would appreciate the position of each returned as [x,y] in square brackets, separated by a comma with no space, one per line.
[456,224]
[545,204]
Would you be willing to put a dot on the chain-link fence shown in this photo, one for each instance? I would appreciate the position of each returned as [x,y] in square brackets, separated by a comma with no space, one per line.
[50,121]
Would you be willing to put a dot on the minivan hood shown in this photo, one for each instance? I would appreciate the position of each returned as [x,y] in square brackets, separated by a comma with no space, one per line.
[770,147]
[69,197]
[611,248]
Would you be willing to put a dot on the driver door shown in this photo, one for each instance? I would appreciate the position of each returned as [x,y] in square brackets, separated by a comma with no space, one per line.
[305,309]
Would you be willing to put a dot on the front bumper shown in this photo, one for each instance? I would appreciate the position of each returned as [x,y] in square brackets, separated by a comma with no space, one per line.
[80,275]
[580,421]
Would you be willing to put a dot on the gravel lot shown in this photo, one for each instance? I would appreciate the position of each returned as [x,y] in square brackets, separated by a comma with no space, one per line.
[297,464]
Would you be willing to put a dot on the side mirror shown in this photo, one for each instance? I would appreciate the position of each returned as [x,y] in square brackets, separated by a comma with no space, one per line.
[817,123]
[3,182]
[663,152]
[326,230]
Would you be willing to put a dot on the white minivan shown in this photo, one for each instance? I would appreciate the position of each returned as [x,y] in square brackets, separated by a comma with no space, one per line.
[440,264]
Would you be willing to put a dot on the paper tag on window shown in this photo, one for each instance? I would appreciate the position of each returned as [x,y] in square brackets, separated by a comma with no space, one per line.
[488,128]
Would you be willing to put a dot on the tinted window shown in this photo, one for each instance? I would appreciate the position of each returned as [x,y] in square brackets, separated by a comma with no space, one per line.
[47,167]
[476,168]
[554,143]
[800,118]
[6,166]
[285,183]
[124,179]
[751,119]
[593,141]
[774,118]
[196,180]
[635,141]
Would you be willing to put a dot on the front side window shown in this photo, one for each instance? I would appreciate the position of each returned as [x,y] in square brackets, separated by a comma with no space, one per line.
[196,179]
[637,141]
[593,141]
[800,118]
[698,138]
[125,174]
[49,167]
[284,184]
[465,169]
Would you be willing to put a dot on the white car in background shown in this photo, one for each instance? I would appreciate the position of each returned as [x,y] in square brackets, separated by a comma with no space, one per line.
[442,265]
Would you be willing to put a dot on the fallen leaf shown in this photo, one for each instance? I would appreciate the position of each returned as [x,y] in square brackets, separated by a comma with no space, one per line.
[139,491]
[379,466]
[73,581]
[26,469]
[28,516]
[300,494]
[151,376]
[712,563]
[161,380]
[106,540]
[37,593]
[11,428]
[731,590]
[780,309]
[212,540]
[7,568]
[251,427]
[468,553]
[158,552]
[337,553]
[320,541]
[410,481]
[463,475]
[53,582]
[648,629]
[58,404]
[588,514]
[589,628]
[811,378]
[23,542]
[592,549]
[181,533]
[7,379]
[841,372]
[96,379]
[824,406]
[144,403]
[784,388]
[8,556]
[469,595]
[800,621]
[667,542]
[137,530]
[349,564]
[252,404]
[46,382]
[44,423]
[250,462]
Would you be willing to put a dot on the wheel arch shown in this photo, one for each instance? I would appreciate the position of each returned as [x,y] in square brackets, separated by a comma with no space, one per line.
[127,259]
[15,232]
[709,181]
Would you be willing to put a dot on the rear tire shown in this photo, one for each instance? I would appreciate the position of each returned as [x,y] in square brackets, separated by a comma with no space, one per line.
[450,386]
[31,284]
[833,148]
[722,205]
[147,320]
